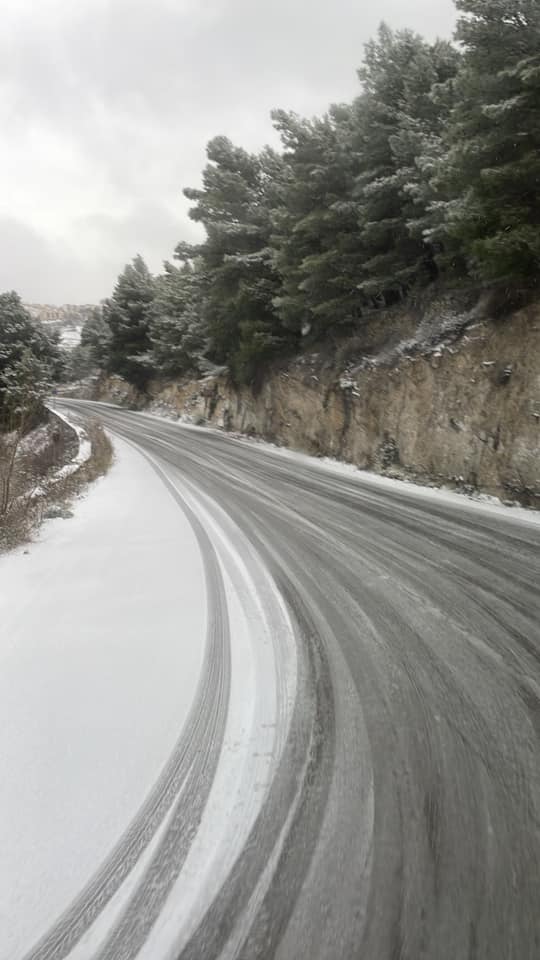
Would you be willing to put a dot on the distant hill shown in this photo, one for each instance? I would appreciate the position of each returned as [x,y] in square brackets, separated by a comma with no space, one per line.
[68,319]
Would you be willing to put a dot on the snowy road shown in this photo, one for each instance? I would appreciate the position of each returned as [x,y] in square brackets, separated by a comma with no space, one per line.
[359,774]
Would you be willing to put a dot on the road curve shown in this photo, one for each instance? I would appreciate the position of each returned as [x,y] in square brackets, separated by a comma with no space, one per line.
[402,820]
[192,761]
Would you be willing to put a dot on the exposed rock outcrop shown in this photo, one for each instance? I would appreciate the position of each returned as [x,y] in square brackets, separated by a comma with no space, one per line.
[461,408]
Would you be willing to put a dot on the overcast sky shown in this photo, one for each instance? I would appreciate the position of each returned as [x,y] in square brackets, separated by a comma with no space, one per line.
[106,107]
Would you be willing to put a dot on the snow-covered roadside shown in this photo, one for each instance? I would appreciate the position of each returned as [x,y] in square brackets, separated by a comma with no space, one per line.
[481,502]
[263,691]
[85,447]
[263,684]
[100,652]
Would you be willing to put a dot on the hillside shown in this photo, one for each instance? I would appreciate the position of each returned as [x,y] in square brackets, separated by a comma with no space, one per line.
[68,319]
[445,392]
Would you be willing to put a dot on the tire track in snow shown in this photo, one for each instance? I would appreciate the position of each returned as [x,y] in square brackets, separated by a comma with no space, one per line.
[202,734]
[432,612]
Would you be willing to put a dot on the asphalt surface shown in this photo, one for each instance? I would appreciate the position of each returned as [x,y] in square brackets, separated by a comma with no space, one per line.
[402,820]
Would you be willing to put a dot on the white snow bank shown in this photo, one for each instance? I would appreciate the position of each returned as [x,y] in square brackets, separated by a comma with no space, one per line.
[85,447]
[103,629]
[482,502]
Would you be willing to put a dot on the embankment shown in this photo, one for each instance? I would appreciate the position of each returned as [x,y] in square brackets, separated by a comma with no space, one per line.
[441,395]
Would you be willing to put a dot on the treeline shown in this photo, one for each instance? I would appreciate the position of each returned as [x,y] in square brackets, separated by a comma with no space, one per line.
[30,361]
[433,171]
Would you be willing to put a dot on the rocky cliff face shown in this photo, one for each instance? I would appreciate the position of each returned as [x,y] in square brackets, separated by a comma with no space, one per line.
[461,408]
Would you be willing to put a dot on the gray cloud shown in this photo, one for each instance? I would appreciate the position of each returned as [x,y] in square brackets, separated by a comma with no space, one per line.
[41,272]
[107,106]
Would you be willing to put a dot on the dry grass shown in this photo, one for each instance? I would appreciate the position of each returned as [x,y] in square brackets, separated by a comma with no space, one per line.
[37,492]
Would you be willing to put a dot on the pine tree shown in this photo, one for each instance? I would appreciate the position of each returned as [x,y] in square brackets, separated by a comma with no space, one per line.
[92,351]
[400,116]
[22,341]
[490,174]
[127,314]
[177,331]
[236,258]
[96,336]
[315,223]
[24,385]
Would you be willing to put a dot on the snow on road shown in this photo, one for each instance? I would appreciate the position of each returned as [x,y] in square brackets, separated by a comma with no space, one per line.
[264,676]
[263,682]
[443,495]
[482,502]
[365,731]
[100,653]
